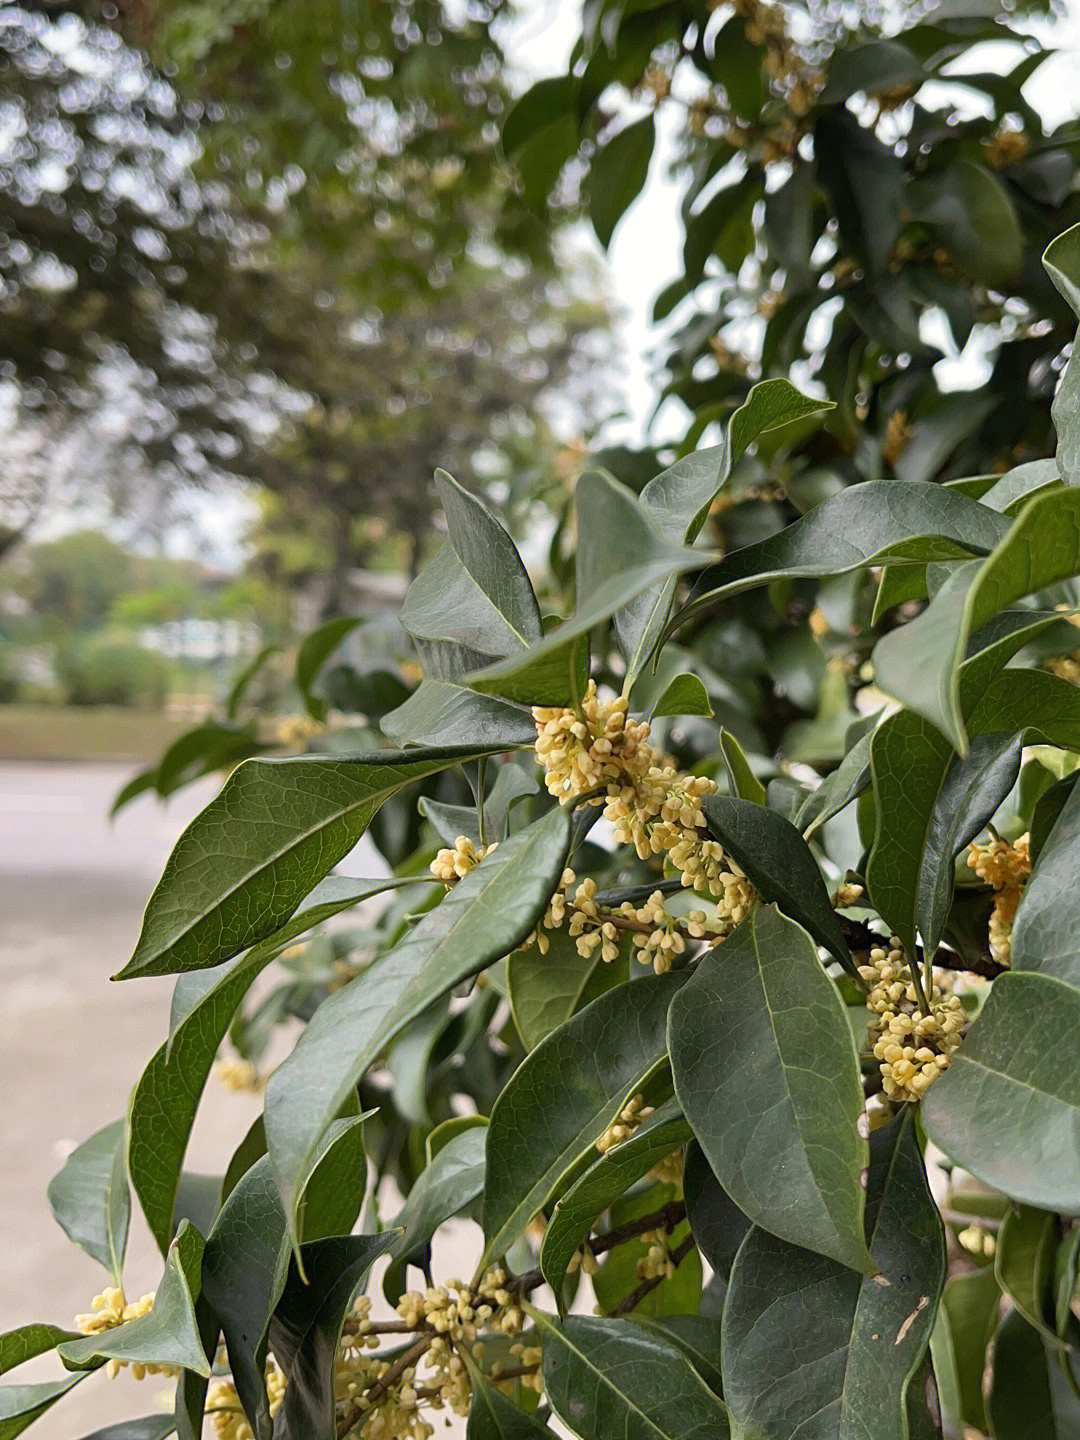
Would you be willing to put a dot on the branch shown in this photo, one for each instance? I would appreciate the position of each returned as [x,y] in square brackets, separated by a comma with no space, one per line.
[860,937]
[666,1218]
[634,1299]
[374,1393]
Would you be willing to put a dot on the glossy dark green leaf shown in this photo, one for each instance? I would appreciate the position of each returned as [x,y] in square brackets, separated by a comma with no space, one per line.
[777,860]
[1010,1077]
[622,552]
[579,1078]
[899,521]
[1046,931]
[545,990]
[608,1177]
[1030,1394]
[494,1416]
[148,1427]
[617,174]
[1024,1266]
[1066,1274]
[678,499]
[28,1341]
[741,778]
[245,1267]
[334,1191]
[863,177]
[614,1377]
[685,695]
[929,804]
[1062,261]
[90,1200]
[439,711]
[484,917]
[810,1349]
[873,67]
[312,654]
[244,864]
[451,1180]
[919,663]
[718,1224]
[167,1095]
[836,792]
[970,1306]
[307,1325]
[782,1135]
[697,1336]
[21,1405]
[968,212]
[166,1335]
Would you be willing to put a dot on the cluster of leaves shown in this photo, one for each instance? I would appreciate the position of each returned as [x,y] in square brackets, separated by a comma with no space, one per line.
[804,1196]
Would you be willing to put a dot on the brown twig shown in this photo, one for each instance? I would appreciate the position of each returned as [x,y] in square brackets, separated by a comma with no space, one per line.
[385,1383]
[634,1299]
[859,936]
[666,1218]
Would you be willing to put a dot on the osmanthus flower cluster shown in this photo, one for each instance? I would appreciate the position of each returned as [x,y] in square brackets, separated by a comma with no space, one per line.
[649,1167]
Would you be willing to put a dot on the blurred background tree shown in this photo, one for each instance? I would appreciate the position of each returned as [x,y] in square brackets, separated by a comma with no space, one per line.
[275,242]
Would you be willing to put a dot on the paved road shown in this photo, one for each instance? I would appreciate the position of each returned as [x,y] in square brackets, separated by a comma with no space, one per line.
[72,890]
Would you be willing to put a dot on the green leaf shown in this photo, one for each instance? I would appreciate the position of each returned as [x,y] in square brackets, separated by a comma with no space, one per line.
[685,695]
[490,558]
[1012,1076]
[603,1182]
[781,1136]
[741,778]
[617,1277]
[899,521]
[494,1416]
[1062,261]
[168,1334]
[312,654]
[836,792]
[873,67]
[1046,931]
[1024,1265]
[579,1079]
[677,501]
[864,179]
[697,1336]
[779,863]
[1030,1394]
[29,1341]
[805,1337]
[461,599]
[439,711]
[148,1427]
[21,1405]
[545,990]
[719,1226]
[614,1377]
[929,803]
[535,110]
[484,917]
[245,863]
[306,1329]
[246,675]
[968,212]
[90,1200]
[334,1190]
[622,551]
[970,1304]
[167,1095]
[451,1180]
[919,663]
[618,173]
[245,1267]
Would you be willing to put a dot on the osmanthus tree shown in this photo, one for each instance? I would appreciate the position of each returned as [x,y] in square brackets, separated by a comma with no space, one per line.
[679,1043]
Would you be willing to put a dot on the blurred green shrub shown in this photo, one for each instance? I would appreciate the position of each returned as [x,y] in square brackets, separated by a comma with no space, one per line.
[100,671]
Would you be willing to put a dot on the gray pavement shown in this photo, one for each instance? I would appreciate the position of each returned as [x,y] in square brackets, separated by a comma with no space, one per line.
[72,889]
